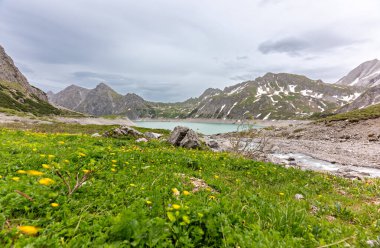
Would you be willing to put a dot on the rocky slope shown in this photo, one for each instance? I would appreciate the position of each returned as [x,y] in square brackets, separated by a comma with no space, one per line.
[17,94]
[366,74]
[368,98]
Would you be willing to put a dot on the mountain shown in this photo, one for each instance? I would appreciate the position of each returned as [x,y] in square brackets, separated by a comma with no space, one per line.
[273,96]
[102,100]
[17,94]
[366,74]
[368,98]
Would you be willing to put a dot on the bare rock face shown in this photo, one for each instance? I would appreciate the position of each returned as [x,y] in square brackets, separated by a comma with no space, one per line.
[123,131]
[184,137]
[152,135]
[368,98]
[366,74]
[10,73]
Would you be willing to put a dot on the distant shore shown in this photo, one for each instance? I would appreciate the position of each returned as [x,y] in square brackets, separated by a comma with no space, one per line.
[264,123]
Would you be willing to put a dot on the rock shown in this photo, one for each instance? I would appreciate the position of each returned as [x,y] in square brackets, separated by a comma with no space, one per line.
[96,135]
[291,159]
[212,144]
[141,140]
[372,243]
[152,135]
[191,140]
[177,135]
[298,197]
[184,137]
[123,131]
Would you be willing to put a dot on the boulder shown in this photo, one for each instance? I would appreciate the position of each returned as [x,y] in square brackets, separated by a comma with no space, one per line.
[123,131]
[212,144]
[184,137]
[96,135]
[141,140]
[151,135]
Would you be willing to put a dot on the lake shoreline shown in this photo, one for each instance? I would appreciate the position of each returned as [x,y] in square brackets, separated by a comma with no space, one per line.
[264,123]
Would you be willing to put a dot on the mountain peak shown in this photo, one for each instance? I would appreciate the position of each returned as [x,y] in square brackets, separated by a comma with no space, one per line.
[367,74]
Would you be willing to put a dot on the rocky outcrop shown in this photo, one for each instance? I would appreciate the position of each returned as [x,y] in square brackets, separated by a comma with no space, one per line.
[184,137]
[366,74]
[122,132]
[12,76]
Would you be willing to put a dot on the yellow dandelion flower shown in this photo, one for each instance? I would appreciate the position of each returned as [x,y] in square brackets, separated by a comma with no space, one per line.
[114,165]
[54,204]
[29,230]
[46,166]
[34,173]
[46,181]
[176,206]
[281,194]
[86,171]
[113,170]
[185,192]
[216,176]
[66,161]
[61,142]
[21,172]
[16,179]
[1,177]
[132,185]
[212,197]
[51,156]
[114,161]
[175,191]
[148,202]
[81,154]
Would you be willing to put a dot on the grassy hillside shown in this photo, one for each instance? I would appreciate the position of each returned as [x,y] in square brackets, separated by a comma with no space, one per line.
[140,194]
[370,112]
[13,98]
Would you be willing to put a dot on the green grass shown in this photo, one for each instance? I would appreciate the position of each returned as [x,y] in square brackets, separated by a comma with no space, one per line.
[370,112]
[129,200]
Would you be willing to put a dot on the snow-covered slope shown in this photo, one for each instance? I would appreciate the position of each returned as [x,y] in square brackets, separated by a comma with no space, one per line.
[366,74]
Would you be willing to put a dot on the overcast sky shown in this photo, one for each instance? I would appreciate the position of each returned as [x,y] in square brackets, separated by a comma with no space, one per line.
[169,50]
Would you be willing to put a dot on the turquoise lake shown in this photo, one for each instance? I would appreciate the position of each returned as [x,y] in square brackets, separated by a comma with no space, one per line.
[200,127]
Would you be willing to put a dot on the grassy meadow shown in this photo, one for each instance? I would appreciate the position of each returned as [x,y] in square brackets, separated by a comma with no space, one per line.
[155,195]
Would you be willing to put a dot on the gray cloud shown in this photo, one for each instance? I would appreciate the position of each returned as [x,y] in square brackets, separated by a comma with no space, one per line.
[172,50]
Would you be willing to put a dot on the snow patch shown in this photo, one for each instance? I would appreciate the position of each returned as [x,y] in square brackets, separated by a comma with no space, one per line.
[267,116]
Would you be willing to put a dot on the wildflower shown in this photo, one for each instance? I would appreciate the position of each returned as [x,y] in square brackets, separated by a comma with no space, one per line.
[126,163]
[175,191]
[61,142]
[42,155]
[51,156]
[148,202]
[29,230]
[66,161]
[281,194]
[114,165]
[114,161]
[54,204]
[34,149]
[16,179]
[132,185]
[46,166]
[46,181]
[81,154]
[319,195]
[176,206]
[34,173]
[21,172]
[216,176]
[185,192]
[113,170]
[211,197]
[86,171]
[1,177]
